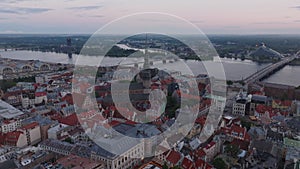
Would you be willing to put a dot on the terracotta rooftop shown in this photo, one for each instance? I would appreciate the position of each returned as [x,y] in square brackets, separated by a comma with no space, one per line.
[70,120]
[76,162]
[173,157]
[187,164]
[30,125]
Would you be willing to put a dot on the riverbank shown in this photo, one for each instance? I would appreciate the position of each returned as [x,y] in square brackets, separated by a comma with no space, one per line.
[295,62]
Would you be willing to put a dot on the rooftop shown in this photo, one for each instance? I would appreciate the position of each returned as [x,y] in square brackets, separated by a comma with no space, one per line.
[7,111]
[30,125]
[73,161]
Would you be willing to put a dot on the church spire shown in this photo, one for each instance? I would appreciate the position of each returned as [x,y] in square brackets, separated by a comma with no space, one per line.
[146,55]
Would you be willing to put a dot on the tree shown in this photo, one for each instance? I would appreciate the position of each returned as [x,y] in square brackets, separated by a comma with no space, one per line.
[219,163]
[176,167]
[171,107]
[6,84]
[165,166]
[246,124]
[232,150]
[69,140]
[229,82]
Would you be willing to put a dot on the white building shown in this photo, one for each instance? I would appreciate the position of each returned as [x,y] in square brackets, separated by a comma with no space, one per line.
[7,111]
[58,131]
[296,108]
[240,105]
[131,156]
[40,79]
[32,132]
[16,138]
[10,125]
[27,101]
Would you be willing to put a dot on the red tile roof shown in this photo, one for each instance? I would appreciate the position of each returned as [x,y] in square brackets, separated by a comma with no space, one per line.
[284,113]
[187,164]
[68,98]
[208,166]
[261,109]
[285,103]
[236,129]
[130,122]
[2,138]
[70,120]
[201,120]
[198,154]
[12,137]
[210,145]
[173,157]
[40,94]
[114,123]
[30,125]
[200,163]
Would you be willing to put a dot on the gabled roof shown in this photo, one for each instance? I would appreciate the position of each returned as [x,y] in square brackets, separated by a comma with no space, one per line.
[236,129]
[173,157]
[285,103]
[210,145]
[202,164]
[70,120]
[262,109]
[13,137]
[198,154]
[187,163]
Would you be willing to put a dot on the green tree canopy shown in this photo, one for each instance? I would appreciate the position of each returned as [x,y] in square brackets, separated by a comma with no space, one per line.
[232,150]
[219,163]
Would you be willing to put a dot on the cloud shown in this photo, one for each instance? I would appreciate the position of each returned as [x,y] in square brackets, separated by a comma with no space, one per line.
[10,32]
[90,16]
[232,27]
[23,10]
[296,7]
[153,19]
[14,1]
[197,21]
[270,23]
[85,7]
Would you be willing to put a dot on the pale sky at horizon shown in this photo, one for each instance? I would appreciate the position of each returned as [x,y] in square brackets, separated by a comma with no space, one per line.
[211,16]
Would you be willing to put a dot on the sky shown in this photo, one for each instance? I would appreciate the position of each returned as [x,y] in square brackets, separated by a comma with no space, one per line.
[211,16]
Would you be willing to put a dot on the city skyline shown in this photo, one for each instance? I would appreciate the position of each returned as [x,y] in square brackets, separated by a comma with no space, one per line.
[212,17]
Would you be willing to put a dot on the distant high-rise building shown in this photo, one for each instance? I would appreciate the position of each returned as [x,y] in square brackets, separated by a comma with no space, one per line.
[69,42]
[69,47]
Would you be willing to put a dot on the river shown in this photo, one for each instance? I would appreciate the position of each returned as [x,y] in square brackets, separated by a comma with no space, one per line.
[234,69]
[289,75]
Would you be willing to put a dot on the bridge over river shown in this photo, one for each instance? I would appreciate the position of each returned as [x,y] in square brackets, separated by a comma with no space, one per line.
[269,70]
